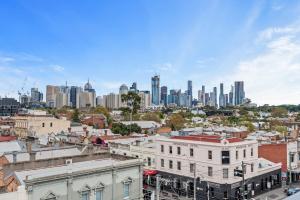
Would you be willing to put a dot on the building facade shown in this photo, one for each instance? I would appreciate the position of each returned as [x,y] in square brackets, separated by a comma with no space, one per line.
[39,125]
[106,179]
[182,159]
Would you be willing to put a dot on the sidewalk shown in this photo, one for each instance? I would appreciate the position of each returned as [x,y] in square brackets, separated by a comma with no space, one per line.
[277,194]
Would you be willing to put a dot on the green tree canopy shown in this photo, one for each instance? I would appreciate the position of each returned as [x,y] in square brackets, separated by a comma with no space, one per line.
[75,116]
[134,99]
[279,112]
[176,121]
[122,129]
[151,116]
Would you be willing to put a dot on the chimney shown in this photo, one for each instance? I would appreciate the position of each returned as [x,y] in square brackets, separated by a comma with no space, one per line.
[105,132]
[69,129]
[14,157]
[32,156]
[29,147]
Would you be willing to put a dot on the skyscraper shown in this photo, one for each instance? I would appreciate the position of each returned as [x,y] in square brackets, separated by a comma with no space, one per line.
[239,93]
[123,89]
[190,92]
[203,93]
[74,96]
[36,96]
[190,88]
[173,97]
[133,87]
[164,95]
[221,96]
[215,97]
[230,101]
[155,89]
[51,92]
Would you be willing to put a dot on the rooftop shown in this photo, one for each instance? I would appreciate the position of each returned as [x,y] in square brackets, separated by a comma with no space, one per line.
[207,138]
[70,168]
[7,138]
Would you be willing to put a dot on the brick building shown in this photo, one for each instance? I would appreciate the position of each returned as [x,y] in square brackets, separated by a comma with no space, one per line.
[284,153]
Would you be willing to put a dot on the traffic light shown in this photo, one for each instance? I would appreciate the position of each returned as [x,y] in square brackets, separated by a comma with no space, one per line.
[238,172]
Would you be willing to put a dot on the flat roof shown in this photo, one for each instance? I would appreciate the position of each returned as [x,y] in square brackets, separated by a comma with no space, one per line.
[207,138]
[69,168]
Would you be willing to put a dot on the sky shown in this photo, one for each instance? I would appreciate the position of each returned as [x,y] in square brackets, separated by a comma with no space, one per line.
[111,42]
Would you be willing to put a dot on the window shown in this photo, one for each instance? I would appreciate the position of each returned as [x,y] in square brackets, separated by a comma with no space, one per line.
[149,161]
[209,155]
[170,149]
[85,192]
[225,173]
[212,192]
[225,157]
[99,191]
[162,148]
[85,196]
[225,195]
[162,162]
[178,150]
[252,167]
[210,171]
[251,151]
[170,164]
[191,152]
[236,155]
[178,165]
[192,167]
[244,153]
[43,124]
[126,191]
[291,157]
[51,124]
[99,195]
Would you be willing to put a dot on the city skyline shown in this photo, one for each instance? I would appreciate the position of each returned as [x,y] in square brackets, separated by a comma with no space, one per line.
[115,43]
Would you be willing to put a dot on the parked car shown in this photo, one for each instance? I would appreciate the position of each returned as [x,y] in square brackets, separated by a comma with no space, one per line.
[292,191]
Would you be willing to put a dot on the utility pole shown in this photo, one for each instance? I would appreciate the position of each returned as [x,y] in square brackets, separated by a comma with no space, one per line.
[290,168]
[157,186]
[208,190]
[195,182]
[243,186]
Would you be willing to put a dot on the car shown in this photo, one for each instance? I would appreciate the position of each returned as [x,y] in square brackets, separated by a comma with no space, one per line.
[292,191]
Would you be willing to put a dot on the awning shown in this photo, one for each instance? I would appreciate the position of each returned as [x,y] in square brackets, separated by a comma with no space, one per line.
[150,172]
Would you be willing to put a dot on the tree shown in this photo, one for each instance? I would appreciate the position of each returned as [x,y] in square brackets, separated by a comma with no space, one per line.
[122,129]
[100,110]
[250,127]
[176,122]
[134,99]
[151,116]
[279,112]
[75,116]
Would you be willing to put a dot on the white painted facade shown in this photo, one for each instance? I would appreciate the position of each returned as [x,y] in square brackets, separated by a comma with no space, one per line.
[143,148]
[80,181]
[208,159]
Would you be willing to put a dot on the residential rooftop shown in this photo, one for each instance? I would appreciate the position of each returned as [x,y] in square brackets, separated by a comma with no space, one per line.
[207,138]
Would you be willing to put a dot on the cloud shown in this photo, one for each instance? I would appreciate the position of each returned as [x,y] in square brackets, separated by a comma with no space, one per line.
[57,68]
[6,59]
[273,76]
[269,33]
